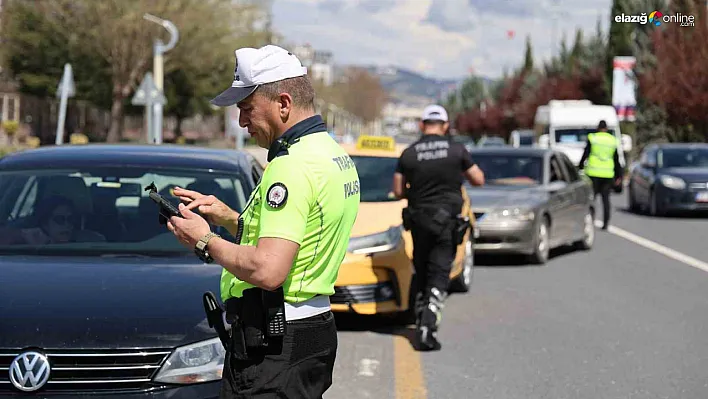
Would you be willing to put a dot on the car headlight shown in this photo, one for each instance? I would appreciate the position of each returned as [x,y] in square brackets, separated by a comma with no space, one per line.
[673,182]
[195,363]
[379,242]
[510,214]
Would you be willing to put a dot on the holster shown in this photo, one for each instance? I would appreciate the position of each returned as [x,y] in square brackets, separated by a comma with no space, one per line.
[435,220]
[214,313]
[250,317]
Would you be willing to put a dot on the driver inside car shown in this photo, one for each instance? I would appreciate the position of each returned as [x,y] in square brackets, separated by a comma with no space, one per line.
[57,223]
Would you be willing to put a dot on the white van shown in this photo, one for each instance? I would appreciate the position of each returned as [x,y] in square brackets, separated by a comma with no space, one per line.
[565,125]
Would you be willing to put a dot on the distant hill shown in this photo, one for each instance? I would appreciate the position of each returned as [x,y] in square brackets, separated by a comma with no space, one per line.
[411,87]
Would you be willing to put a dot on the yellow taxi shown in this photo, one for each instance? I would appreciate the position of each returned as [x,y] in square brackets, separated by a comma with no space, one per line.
[377,273]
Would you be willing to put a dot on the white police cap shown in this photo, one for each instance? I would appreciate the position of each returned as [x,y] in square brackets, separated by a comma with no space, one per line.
[434,113]
[259,66]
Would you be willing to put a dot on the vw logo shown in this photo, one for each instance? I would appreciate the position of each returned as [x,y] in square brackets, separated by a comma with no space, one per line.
[29,371]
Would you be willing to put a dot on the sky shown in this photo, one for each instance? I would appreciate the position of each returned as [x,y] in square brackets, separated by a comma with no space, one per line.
[444,39]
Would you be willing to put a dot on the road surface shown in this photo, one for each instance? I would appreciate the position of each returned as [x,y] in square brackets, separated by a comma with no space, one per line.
[627,319]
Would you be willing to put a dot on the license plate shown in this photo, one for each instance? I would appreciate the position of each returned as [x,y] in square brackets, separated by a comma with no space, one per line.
[702,197]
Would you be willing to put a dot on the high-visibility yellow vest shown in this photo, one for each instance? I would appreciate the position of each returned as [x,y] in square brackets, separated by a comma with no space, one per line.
[601,161]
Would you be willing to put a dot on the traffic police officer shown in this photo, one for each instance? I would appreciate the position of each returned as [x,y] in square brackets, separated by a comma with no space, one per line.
[433,168]
[603,166]
[291,236]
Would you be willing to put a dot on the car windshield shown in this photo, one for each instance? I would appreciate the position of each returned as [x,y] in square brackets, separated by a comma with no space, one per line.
[376,177]
[568,136]
[683,158]
[101,211]
[508,170]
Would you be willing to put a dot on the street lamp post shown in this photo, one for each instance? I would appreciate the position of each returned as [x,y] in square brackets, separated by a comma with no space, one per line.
[159,48]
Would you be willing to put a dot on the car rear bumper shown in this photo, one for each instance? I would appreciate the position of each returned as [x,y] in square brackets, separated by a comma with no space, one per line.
[505,237]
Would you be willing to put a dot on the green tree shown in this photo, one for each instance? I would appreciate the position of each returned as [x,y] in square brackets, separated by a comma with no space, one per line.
[110,46]
[468,96]
[578,51]
[528,57]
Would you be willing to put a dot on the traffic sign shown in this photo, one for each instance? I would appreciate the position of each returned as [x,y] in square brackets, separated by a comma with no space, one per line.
[67,83]
[148,93]
[65,90]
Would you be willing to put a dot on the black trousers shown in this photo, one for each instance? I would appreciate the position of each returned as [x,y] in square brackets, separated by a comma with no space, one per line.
[433,255]
[603,186]
[301,367]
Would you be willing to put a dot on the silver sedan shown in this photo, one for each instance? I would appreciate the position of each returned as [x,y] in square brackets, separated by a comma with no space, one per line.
[534,200]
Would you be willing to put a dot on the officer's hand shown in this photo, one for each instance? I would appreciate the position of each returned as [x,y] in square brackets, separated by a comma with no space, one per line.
[189,229]
[213,210]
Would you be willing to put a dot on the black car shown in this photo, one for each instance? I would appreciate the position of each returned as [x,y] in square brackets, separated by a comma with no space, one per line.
[97,298]
[533,200]
[670,177]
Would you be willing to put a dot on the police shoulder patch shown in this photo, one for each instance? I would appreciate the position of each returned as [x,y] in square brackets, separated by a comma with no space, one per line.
[277,195]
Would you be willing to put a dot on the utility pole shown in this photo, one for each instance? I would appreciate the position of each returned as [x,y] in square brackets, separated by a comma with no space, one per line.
[160,48]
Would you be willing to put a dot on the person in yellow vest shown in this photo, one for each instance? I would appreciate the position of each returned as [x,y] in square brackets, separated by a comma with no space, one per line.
[603,166]
[290,238]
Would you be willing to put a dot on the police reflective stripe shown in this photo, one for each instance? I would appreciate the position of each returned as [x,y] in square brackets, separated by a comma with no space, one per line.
[601,160]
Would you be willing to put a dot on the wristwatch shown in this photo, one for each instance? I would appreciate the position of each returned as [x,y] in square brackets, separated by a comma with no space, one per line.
[201,248]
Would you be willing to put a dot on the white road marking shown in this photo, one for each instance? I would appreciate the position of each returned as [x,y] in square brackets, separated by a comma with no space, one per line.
[368,367]
[666,251]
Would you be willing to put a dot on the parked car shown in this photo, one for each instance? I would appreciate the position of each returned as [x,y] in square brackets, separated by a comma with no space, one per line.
[533,200]
[670,177]
[98,299]
[491,141]
[523,138]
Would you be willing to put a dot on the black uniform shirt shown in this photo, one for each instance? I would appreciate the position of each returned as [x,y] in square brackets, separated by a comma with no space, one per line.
[433,167]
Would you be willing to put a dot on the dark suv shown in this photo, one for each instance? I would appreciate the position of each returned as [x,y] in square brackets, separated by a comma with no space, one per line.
[96,297]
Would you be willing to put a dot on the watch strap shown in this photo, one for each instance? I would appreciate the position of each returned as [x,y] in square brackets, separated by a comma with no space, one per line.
[201,250]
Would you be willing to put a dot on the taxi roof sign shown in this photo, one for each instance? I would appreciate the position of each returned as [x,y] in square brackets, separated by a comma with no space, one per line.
[384,143]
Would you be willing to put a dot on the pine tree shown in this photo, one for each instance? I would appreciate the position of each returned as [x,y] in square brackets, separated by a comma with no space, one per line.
[578,51]
[528,59]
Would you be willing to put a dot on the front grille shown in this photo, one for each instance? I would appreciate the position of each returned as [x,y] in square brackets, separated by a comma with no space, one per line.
[698,186]
[113,370]
[363,293]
